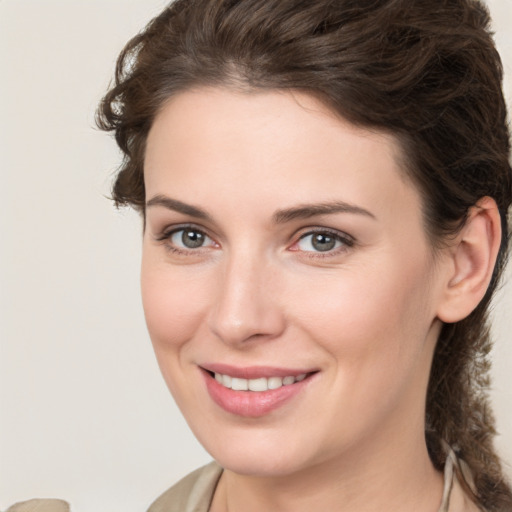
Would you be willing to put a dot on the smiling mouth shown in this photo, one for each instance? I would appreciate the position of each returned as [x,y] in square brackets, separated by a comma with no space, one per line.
[254,392]
[256,385]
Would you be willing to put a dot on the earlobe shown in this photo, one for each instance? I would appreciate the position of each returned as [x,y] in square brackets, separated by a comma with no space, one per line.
[473,256]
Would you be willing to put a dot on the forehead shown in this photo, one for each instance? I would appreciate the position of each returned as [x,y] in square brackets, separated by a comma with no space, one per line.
[285,144]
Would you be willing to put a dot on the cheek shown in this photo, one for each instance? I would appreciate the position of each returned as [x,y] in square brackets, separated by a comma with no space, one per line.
[173,303]
[173,308]
[374,328]
[372,320]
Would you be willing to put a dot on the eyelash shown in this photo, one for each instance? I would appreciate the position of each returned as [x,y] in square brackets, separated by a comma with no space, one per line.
[346,241]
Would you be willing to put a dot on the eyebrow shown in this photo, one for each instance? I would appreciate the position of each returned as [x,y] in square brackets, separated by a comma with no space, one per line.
[178,206]
[303,211]
[306,211]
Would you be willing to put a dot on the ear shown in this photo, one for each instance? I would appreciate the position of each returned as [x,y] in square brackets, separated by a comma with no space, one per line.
[471,262]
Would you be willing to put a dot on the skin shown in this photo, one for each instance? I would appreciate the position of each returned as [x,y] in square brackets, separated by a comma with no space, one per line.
[365,315]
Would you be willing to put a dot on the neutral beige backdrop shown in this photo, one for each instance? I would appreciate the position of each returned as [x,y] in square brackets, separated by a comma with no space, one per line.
[85,415]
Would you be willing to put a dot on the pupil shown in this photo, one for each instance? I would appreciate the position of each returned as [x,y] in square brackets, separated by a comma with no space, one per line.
[323,242]
[192,239]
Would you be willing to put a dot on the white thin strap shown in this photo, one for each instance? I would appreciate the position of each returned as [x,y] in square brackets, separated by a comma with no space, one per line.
[451,460]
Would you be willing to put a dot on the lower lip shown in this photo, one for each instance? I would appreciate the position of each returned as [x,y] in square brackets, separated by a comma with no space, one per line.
[252,404]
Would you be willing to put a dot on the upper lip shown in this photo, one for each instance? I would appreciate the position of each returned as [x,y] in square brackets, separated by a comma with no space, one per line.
[254,372]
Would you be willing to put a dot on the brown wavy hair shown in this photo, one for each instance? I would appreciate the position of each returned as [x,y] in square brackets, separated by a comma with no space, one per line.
[426,71]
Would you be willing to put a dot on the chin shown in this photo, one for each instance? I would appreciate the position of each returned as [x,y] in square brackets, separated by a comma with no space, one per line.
[256,465]
[260,455]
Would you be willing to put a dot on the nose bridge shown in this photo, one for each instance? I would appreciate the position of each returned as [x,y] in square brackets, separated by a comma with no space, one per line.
[245,306]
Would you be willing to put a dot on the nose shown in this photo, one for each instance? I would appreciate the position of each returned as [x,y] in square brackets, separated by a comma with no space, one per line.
[246,307]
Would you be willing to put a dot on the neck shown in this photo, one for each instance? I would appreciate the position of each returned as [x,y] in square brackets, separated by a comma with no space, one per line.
[392,476]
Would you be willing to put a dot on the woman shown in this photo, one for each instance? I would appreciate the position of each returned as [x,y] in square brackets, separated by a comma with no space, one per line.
[324,187]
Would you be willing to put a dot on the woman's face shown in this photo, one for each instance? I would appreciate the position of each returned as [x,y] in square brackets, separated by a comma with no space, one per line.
[284,251]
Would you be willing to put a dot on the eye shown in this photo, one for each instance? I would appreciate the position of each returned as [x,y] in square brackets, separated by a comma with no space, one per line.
[187,238]
[322,241]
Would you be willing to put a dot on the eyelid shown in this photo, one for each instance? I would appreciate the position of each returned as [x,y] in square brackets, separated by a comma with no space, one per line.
[170,230]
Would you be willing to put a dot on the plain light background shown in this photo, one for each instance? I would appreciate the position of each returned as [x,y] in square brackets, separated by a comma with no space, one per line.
[84,413]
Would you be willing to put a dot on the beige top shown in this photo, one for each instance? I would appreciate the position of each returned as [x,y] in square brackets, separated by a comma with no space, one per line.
[40,506]
[194,493]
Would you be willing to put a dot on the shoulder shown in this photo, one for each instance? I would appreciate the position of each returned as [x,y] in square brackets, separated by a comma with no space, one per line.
[191,494]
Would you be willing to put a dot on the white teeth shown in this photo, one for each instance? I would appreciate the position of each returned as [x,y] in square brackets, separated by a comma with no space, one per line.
[239,384]
[275,382]
[258,384]
[261,384]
